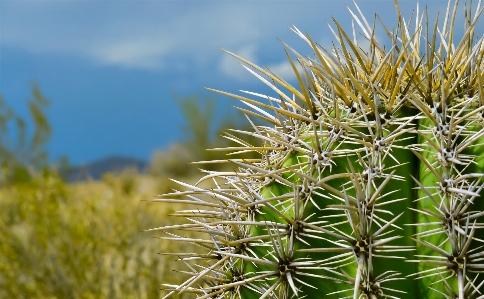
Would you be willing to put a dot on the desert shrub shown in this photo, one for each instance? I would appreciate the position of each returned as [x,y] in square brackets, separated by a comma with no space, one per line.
[174,163]
[81,240]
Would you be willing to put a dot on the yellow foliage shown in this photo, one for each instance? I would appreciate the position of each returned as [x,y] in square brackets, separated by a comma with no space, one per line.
[82,240]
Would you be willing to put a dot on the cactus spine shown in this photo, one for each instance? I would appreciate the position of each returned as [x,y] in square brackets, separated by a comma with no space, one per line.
[368,179]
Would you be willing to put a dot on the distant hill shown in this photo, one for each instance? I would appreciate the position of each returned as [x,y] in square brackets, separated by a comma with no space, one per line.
[114,164]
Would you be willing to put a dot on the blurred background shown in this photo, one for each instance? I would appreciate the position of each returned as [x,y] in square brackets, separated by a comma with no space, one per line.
[103,101]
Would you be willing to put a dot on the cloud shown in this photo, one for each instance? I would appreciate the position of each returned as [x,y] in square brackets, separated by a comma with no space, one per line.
[141,53]
[232,67]
[285,70]
[144,34]
[161,34]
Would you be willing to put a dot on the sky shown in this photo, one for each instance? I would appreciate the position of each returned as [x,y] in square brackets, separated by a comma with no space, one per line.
[112,69]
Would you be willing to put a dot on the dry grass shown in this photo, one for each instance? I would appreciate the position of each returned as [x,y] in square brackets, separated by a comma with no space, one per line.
[83,240]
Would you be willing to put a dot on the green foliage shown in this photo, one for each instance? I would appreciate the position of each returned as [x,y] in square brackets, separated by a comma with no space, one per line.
[173,163]
[81,240]
[23,152]
[202,141]
[200,118]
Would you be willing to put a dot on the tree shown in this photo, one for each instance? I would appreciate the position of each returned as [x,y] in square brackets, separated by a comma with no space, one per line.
[22,151]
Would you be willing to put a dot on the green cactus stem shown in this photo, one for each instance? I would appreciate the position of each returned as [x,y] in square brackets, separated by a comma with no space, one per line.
[368,179]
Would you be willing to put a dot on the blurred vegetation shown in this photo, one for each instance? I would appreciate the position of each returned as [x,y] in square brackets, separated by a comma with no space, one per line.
[23,152]
[84,240]
[203,133]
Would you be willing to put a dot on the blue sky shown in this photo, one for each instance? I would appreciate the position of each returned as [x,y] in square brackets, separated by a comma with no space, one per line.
[111,68]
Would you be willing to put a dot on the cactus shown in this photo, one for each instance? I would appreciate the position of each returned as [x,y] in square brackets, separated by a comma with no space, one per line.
[367,179]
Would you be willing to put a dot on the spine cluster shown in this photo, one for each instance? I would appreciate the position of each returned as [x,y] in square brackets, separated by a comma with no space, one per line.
[368,177]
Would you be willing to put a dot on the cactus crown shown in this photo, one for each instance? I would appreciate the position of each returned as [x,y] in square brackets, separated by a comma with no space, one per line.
[368,179]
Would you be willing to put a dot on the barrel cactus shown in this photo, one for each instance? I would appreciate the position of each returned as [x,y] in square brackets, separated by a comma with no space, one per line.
[367,179]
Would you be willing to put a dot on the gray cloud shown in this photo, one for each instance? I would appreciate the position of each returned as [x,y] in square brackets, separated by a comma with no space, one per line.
[160,35]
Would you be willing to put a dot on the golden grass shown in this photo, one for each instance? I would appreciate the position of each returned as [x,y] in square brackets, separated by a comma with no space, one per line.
[83,240]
